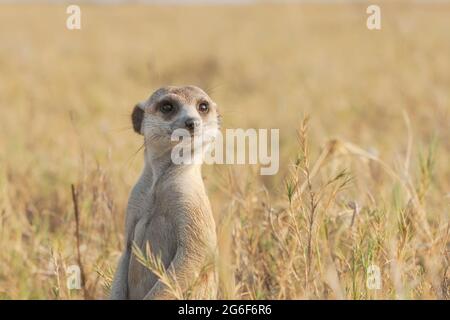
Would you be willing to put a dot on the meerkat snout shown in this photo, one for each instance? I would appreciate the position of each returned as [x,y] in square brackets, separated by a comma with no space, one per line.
[192,123]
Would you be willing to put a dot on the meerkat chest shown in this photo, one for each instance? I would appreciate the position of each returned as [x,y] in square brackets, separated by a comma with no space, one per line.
[155,232]
[155,226]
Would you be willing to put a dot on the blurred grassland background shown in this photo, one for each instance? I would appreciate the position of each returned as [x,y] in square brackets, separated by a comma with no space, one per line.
[365,182]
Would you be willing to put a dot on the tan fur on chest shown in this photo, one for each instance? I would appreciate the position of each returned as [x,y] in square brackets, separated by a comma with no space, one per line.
[175,213]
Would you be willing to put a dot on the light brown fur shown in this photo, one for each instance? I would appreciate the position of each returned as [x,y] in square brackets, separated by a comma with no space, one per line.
[168,208]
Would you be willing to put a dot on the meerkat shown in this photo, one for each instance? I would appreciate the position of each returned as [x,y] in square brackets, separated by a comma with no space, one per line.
[168,208]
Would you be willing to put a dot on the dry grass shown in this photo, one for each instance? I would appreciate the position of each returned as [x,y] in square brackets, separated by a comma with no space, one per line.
[365,182]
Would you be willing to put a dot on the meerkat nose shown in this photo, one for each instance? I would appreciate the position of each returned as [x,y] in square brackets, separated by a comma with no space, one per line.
[192,123]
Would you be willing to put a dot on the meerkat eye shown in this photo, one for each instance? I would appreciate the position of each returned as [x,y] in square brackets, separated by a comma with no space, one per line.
[166,108]
[203,107]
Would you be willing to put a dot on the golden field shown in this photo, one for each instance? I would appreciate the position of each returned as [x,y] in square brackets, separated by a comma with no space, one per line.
[366,181]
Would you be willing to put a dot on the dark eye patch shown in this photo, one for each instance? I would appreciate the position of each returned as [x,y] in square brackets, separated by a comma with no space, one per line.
[168,107]
[166,101]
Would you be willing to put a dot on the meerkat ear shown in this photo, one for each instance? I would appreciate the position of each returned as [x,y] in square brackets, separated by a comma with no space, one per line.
[136,118]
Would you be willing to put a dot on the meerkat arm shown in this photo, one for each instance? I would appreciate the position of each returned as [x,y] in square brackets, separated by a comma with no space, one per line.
[181,266]
[119,287]
[193,258]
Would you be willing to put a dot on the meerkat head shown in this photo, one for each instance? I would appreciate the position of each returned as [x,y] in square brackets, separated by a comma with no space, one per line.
[171,108]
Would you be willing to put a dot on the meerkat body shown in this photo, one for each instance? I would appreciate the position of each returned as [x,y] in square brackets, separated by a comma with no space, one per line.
[168,208]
